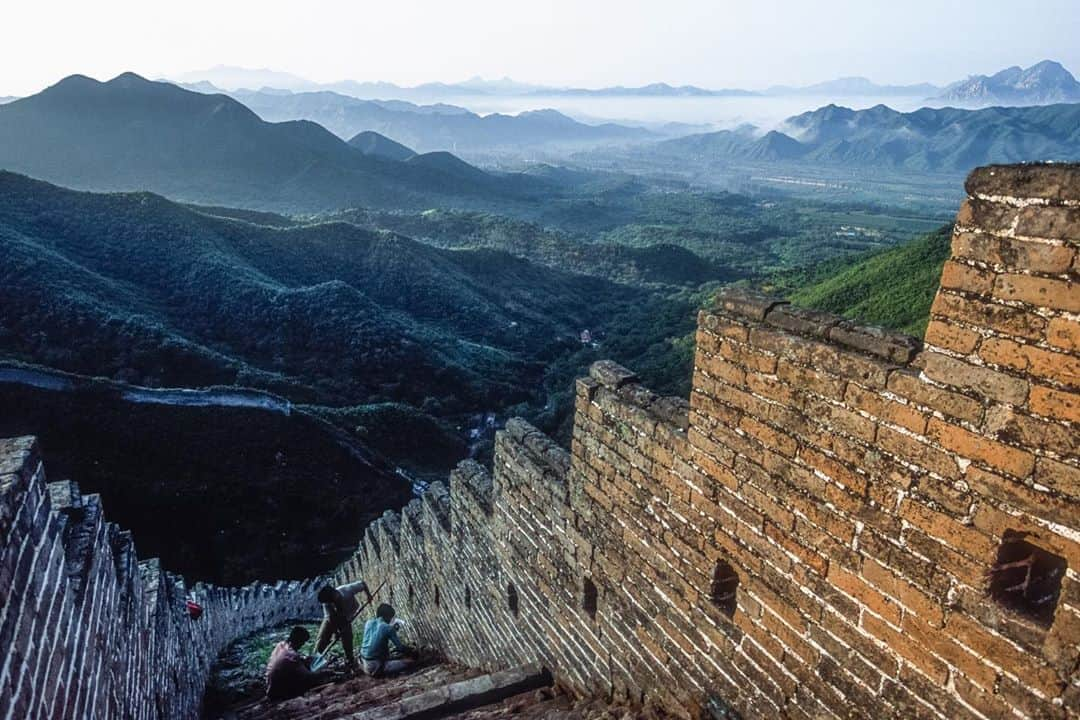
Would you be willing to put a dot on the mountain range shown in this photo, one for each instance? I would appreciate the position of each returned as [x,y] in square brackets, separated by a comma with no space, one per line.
[1044,83]
[234,79]
[436,127]
[944,139]
[133,134]
[854,87]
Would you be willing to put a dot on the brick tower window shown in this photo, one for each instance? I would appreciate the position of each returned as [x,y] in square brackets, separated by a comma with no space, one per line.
[468,598]
[437,598]
[722,591]
[1026,578]
[588,598]
[410,595]
[512,599]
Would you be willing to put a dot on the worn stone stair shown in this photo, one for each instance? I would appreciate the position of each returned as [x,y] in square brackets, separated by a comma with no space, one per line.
[438,691]
[463,695]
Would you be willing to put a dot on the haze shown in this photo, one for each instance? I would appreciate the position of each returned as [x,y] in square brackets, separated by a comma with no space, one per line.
[559,42]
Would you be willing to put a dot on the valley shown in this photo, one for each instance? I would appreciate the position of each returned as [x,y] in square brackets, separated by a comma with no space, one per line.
[175,259]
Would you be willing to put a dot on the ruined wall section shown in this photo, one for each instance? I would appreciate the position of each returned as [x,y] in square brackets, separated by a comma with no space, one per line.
[842,522]
[91,631]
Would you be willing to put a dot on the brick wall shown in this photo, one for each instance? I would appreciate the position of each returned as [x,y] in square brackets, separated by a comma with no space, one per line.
[89,631]
[839,523]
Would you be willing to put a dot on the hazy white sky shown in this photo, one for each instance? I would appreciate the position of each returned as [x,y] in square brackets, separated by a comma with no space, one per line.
[712,43]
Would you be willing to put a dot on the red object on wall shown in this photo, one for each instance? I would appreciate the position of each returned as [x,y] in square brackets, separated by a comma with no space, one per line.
[194,609]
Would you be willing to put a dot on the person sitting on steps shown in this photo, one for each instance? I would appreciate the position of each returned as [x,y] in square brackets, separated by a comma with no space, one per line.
[288,673]
[379,633]
[339,607]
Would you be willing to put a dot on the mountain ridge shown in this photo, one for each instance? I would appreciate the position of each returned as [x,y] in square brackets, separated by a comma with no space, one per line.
[929,139]
[370,142]
[436,127]
[1044,83]
[233,79]
[133,134]
[854,86]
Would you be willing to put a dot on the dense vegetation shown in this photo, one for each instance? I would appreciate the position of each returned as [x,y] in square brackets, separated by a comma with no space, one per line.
[664,264]
[893,288]
[635,234]
[222,494]
[145,291]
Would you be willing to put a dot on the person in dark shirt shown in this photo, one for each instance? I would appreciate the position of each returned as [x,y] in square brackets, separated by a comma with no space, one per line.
[288,674]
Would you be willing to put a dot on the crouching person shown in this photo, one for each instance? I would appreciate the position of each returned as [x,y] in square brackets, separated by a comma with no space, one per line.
[380,632]
[288,674]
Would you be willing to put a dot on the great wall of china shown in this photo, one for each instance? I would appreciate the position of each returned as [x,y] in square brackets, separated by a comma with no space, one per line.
[841,522]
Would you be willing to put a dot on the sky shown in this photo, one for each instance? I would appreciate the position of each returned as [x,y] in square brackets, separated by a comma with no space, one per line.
[584,43]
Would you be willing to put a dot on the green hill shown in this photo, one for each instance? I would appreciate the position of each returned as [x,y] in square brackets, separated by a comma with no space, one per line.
[658,264]
[893,288]
[135,287]
[221,494]
[133,134]
[370,142]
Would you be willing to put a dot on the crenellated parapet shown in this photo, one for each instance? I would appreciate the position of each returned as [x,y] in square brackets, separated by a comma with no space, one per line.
[841,522]
[93,632]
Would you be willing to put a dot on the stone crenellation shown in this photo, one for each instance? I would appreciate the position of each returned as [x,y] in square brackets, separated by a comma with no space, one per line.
[841,522]
[88,630]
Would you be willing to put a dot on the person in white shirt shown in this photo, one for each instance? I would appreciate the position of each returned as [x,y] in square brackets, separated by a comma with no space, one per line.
[339,607]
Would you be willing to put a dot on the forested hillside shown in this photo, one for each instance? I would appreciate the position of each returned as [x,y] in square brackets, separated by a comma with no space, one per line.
[208,490]
[138,288]
[893,288]
[133,134]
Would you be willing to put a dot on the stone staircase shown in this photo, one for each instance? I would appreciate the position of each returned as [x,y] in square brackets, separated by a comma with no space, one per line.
[437,691]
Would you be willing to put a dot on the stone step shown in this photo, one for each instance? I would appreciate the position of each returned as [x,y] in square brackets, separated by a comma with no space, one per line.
[462,695]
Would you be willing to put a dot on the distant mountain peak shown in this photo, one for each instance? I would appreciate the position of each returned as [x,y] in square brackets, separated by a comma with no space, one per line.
[76,80]
[129,79]
[375,144]
[1043,83]
[855,85]
[926,140]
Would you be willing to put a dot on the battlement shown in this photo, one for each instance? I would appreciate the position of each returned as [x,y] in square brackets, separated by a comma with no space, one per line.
[91,630]
[841,522]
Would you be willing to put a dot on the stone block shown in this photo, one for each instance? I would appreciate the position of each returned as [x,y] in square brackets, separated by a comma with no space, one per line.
[892,346]
[611,374]
[746,303]
[1013,253]
[1039,291]
[802,321]
[1054,182]
[990,383]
